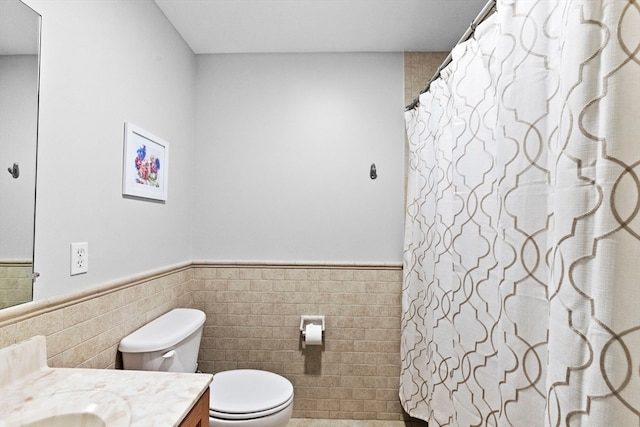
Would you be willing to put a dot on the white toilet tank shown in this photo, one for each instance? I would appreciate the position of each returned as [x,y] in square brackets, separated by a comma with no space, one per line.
[168,343]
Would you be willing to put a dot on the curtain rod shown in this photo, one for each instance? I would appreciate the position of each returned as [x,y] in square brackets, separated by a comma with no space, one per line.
[486,11]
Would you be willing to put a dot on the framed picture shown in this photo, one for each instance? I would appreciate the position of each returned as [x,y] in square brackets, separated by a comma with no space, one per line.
[144,168]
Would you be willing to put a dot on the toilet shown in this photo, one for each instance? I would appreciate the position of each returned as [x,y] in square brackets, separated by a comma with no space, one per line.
[238,398]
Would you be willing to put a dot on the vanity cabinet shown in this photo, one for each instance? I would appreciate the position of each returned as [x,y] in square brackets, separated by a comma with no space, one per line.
[198,416]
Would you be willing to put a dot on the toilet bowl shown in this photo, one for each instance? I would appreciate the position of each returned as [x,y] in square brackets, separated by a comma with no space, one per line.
[240,398]
[250,398]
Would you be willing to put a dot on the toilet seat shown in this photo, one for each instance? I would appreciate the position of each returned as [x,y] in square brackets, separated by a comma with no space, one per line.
[248,393]
[250,415]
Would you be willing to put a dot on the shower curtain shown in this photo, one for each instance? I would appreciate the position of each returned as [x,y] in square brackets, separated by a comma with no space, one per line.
[521,293]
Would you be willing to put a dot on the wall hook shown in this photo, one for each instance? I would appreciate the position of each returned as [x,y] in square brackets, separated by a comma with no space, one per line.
[15,170]
[373,173]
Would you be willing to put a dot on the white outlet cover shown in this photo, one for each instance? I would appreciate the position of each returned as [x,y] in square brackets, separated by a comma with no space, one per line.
[79,258]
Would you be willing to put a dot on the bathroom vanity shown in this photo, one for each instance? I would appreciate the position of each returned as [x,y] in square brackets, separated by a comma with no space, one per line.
[198,416]
[34,394]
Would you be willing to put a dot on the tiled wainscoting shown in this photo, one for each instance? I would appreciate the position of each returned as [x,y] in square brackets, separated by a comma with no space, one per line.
[253,318]
[253,321]
[15,282]
[84,329]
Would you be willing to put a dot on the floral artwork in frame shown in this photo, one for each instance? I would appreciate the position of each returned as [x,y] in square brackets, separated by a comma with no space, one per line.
[144,169]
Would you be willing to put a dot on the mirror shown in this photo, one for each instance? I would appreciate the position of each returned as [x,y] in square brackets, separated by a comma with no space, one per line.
[19,83]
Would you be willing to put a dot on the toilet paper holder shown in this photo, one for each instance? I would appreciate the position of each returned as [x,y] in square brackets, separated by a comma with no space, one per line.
[311,320]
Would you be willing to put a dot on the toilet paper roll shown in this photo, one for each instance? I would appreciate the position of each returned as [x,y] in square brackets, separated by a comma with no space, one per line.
[313,334]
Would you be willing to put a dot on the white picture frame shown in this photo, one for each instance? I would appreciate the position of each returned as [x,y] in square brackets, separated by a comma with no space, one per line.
[145,171]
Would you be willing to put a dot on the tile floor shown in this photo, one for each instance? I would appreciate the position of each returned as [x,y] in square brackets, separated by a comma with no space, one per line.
[308,422]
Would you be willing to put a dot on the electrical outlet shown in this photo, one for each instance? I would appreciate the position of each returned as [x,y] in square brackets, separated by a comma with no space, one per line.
[79,258]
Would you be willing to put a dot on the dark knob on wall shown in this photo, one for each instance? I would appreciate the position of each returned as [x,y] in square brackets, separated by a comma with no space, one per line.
[373,173]
[14,170]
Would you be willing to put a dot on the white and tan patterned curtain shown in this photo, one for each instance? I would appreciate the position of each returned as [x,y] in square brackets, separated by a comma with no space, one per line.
[521,300]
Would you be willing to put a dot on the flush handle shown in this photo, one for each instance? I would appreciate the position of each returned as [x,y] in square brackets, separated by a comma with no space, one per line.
[169,354]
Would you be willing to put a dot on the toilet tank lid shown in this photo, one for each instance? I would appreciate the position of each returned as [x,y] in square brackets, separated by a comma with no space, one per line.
[164,332]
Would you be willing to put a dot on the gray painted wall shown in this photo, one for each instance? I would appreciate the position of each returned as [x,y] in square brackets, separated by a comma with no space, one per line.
[104,63]
[284,147]
[269,160]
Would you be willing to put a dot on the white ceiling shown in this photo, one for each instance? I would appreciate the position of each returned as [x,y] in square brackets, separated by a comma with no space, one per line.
[256,26]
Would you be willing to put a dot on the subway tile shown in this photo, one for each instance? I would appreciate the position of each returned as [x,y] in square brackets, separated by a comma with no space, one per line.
[317,393]
[329,286]
[212,355]
[318,274]
[46,324]
[371,334]
[237,296]
[332,381]
[236,308]
[374,405]
[96,326]
[162,308]
[134,293]
[250,273]
[216,285]
[389,276]
[77,313]
[265,366]
[339,345]
[386,395]
[237,355]
[393,416]
[76,355]
[204,273]
[307,286]
[354,381]
[311,414]
[207,367]
[55,361]
[365,394]
[261,285]
[377,346]
[347,310]
[284,286]
[388,371]
[102,360]
[341,415]
[213,308]
[203,296]
[364,275]
[263,310]
[8,335]
[388,299]
[342,275]
[62,341]
[294,370]
[353,358]
[227,273]
[306,404]
[224,366]
[393,406]
[357,287]
[359,370]
[344,322]
[239,285]
[297,274]
[328,404]
[273,273]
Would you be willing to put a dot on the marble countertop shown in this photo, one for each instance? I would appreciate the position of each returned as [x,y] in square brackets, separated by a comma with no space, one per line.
[128,398]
